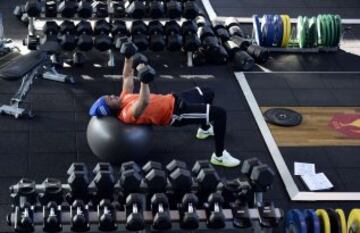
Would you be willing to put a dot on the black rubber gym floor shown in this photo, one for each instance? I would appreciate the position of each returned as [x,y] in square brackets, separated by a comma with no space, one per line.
[47,145]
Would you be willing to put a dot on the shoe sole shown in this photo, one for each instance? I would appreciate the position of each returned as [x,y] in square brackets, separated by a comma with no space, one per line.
[204,137]
[215,162]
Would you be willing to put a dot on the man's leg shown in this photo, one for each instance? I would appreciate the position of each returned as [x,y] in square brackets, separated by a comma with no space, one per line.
[203,114]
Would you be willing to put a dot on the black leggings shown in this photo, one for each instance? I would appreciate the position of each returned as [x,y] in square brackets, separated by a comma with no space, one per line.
[194,107]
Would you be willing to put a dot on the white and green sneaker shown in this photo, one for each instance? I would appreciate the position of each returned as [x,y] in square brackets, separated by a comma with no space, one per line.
[225,160]
[204,134]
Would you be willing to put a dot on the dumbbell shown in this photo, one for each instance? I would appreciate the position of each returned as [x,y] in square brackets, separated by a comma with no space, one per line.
[107,216]
[84,32]
[79,213]
[206,176]
[179,176]
[156,9]
[67,8]
[51,8]
[173,37]
[201,20]
[173,9]
[52,217]
[146,74]
[67,35]
[50,38]
[221,31]
[155,177]
[78,181]
[134,212]
[214,210]
[33,8]
[135,9]
[160,211]
[234,28]
[118,9]
[85,9]
[131,177]
[52,191]
[139,33]
[260,54]
[119,32]
[205,31]
[190,9]
[156,32]
[191,41]
[214,51]
[189,218]
[100,9]
[102,40]
[103,181]
[19,11]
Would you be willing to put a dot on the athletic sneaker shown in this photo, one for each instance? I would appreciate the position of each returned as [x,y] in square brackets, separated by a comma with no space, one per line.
[204,134]
[225,160]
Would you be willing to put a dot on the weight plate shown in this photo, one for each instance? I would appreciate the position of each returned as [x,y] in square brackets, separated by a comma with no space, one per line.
[312,32]
[312,221]
[324,221]
[300,30]
[282,117]
[267,30]
[284,22]
[331,30]
[295,222]
[257,30]
[342,219]
[353,224]
[328,30]
[339,29]
[288,23]
[320,30]
[335,224]
[278,27]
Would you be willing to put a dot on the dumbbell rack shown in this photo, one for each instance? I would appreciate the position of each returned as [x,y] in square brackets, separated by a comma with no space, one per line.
[36,22]
[237,212]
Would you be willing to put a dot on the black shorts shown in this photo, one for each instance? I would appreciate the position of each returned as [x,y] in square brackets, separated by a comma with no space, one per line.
[192,106]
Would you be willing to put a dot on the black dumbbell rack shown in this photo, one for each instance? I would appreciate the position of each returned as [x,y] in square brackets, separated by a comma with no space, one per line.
[34,32]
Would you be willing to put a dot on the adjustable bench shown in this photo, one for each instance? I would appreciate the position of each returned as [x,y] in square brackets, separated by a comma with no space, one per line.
[29,67]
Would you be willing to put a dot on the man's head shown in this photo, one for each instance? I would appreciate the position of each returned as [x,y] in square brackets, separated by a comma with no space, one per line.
[105,106]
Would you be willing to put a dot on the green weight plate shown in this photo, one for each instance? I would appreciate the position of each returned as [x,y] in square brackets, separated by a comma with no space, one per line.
[320,30]
[339,29]
[327,30]
[300,29]
[306,31]
[332,30]
[312,32]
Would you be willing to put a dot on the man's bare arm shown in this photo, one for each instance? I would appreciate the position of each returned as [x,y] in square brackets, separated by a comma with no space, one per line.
[143,101]
[128,77]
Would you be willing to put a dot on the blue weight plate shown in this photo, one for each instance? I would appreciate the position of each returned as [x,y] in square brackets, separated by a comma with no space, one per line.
[295,222]
[267,30]
[257,30]
[278,27]
[312,221]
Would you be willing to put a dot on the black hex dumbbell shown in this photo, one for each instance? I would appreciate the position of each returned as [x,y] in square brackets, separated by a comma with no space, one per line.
[118,9]
[51,8]
[157,39]
[160,210]
[102,41]
[214,211]
[85,9]
[103,182]
[79,213]
[156,9]
[52,191]
[49,42]
[78,181]
[136,9]
[119,33]
[33,8]
[52,217]
[179,177]
[260,54]
[100,9]
[188,215]
[146,74]
[190,9]
[67,35]
[234,28]
[106,215]
[134,212]
[173,9]
[155,177]
[139,33]
[173,36]
[131,178]
[191,41]
[206,176]
[221,31]
[84,32]
[67,8]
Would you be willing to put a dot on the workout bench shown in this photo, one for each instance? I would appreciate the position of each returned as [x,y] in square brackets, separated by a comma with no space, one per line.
[28,68]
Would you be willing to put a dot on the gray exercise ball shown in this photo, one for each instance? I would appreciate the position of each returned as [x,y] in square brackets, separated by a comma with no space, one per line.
[115,142]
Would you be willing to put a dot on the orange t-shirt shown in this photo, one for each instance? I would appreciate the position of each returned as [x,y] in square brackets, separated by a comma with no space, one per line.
[158,112]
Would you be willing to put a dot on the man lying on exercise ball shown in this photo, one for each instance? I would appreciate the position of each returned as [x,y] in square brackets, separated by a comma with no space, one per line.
[189,107]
